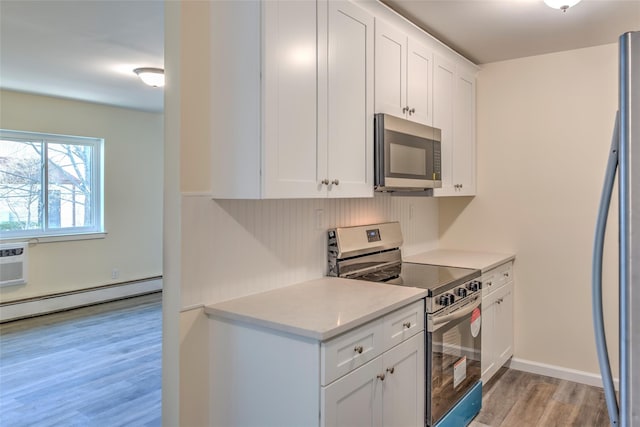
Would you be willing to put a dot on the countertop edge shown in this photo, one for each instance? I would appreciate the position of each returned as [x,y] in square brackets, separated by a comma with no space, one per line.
[496,264]
[210,310]
[439,257]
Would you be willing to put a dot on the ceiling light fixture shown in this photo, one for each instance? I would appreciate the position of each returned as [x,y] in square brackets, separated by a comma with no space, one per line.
[563,5]
[151,76]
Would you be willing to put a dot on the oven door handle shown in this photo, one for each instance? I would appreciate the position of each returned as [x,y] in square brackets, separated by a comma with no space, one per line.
[458,314]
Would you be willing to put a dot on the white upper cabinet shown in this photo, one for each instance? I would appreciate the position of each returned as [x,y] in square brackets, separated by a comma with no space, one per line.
[404,75]
[454,113]
[290,144]
[464,134]
[292,100]
[420,83]
[444,80]
[391,71]
[348,116]
[292,97]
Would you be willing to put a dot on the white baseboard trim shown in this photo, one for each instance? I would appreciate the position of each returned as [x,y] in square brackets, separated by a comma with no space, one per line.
[559,372]
[15,310]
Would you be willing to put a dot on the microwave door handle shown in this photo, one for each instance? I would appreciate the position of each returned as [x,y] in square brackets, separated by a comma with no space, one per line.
[456,314]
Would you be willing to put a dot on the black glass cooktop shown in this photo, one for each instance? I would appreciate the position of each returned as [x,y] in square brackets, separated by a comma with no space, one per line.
[435,278]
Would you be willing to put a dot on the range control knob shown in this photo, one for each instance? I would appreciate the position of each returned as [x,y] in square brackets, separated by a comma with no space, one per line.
[446,299]
[473,286]
[461,292]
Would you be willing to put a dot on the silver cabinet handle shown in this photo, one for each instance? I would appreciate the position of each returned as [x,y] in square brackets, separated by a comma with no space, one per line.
[358,349]
[391,370]
[380,377]
[324,182]
[406,325]
[335,182]
[411,111]
[506,274]
[405,109]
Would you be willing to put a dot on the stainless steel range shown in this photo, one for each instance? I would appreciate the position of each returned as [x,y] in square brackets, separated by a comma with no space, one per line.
[453,318]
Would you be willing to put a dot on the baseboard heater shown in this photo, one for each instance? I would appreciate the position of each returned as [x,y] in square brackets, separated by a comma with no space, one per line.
[29,307]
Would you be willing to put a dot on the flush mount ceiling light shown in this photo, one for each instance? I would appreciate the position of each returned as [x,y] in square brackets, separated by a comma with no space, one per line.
[151,76]
[563,5]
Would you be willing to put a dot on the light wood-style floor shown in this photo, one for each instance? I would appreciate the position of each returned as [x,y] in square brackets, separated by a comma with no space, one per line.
[520,399]
[94,366]
[101,366]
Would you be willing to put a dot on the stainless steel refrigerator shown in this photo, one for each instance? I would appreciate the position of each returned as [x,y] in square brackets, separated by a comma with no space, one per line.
[625,157]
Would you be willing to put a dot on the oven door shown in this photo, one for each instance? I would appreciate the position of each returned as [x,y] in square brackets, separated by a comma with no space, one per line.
[453,356]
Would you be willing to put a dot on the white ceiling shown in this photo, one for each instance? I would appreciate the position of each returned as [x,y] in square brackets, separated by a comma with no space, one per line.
[495,30]
[83,50]
[87,49]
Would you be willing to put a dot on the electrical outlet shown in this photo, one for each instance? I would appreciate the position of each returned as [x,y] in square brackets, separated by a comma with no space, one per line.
[319,219]
[115,273]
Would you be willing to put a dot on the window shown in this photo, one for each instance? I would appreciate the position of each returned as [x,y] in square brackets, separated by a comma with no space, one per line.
[50,185]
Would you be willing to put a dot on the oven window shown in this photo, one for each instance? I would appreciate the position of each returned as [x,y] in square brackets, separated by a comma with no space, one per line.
[454,362]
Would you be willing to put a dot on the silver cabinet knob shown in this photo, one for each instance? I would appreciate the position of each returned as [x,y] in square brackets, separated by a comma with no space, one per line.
[358,349]
[506,274]
[335,182]
[324,182]
[380,377]
[412,111]
[406,325]
[405,109]
[391,370]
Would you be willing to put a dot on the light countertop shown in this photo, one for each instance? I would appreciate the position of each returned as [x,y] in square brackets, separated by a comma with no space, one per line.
[465,259]
[318,309]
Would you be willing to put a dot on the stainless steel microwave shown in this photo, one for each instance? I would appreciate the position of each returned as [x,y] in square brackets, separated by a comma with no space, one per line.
[407,155]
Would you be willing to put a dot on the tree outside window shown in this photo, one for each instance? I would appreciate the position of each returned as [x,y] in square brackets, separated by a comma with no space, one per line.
[49,184]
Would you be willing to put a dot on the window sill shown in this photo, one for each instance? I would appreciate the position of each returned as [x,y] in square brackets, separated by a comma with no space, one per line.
[59,238]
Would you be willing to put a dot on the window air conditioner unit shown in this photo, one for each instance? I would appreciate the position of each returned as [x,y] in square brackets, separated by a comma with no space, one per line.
[13,264]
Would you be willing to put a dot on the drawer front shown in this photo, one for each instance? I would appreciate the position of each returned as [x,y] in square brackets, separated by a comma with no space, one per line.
[353,349]
[404,323]
[497,277]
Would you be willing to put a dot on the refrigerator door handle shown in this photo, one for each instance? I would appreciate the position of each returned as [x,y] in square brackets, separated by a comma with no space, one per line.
[596,284]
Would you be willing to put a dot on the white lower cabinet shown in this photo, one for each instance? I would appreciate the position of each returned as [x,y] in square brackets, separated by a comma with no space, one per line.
[371,375]
[387,391]
[497,319]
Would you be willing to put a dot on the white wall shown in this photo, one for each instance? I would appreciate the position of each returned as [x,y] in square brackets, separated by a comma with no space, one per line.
[132,196]
[544,129]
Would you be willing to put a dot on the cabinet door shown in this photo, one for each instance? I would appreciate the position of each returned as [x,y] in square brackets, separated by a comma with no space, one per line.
[419,83]
[349,100]
[488,362]
[290,167]
[354,400]
[443,96]
[391,74]
[503,330]
[403,399]
[464,122]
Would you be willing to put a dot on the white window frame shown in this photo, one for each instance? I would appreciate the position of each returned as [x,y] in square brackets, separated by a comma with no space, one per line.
[45,233]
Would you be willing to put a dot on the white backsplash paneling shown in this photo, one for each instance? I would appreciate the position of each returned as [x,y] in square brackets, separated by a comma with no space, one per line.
[232,248]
